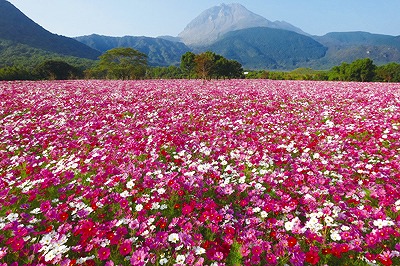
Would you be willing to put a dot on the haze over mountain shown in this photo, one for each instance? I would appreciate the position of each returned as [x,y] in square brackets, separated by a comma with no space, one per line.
[214,22]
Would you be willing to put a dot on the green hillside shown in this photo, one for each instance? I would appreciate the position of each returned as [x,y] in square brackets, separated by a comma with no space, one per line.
[266,48]
[18,28]
[22,55]
[160,52]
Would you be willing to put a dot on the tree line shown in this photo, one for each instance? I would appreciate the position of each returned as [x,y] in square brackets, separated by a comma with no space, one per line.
[360,70]
[128,63]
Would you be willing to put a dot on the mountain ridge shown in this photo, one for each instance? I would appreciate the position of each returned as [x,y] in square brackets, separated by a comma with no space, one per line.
[160,52]
[16,26]
[218,20]
[230,39]
[264,47]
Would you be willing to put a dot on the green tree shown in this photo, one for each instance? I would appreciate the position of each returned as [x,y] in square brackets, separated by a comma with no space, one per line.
[15,73]
[362,70]
[55,69]
[389,72]
[235,69]
[205,64]
[228,68]
[187,63]
[170,72]
[123,63]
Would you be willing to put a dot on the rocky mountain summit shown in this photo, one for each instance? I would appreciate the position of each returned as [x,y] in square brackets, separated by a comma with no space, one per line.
[214,22]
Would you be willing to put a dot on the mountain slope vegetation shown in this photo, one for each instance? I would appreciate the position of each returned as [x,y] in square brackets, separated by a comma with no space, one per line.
[160,52]
[267,48]
[15,26]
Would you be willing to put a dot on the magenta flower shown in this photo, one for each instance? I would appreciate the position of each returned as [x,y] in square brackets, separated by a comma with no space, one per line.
[125,248]
[138,257]
[266,169]
[103,253]
[45,206]
[187,209]
[271,259]
[16,243]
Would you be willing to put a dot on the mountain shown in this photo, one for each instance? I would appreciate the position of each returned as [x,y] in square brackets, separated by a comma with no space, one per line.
[218,20]
[358,38]
[160,52]
[228,29]
[267,48]
[18,28]
[25,56]
[349,46]
[169,38]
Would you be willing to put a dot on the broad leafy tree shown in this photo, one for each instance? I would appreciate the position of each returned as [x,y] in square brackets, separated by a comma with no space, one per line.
[188,64]
[54,69]
[362,70]
[123,63]
[389,72]
[205,64]
[210,65]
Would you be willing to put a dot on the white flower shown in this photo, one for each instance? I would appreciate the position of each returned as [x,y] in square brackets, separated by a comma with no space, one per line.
[180,259]
[174,237]
[163,261]
[155,206]
[329,220]
[139,207]
[313,220]
[161,191]
[258,186]
[12,217]
[263,214]
[329,123]
[199,250]
[345,228]
[289,226]
[130,184]
[380,223]
[335,236]
[124,194]
[316,155]
[50,255]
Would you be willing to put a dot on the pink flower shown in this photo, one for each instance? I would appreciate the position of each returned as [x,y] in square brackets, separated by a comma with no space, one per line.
[271,259]
[103,253]
[138,257]
[187,209]
[16,243]
[256,250]
[125,248]
[45,206]
[218,256]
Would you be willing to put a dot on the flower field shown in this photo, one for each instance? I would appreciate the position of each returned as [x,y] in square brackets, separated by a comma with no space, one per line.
[186,172]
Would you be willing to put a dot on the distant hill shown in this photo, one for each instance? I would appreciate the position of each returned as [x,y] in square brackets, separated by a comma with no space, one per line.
[214,22]
[160,52]
[22,55]
[267,48]
[349,46]
[229,29]
[18,28]
[358,38]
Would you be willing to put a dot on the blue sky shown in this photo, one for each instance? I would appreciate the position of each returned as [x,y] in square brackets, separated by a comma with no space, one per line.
[169,17]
